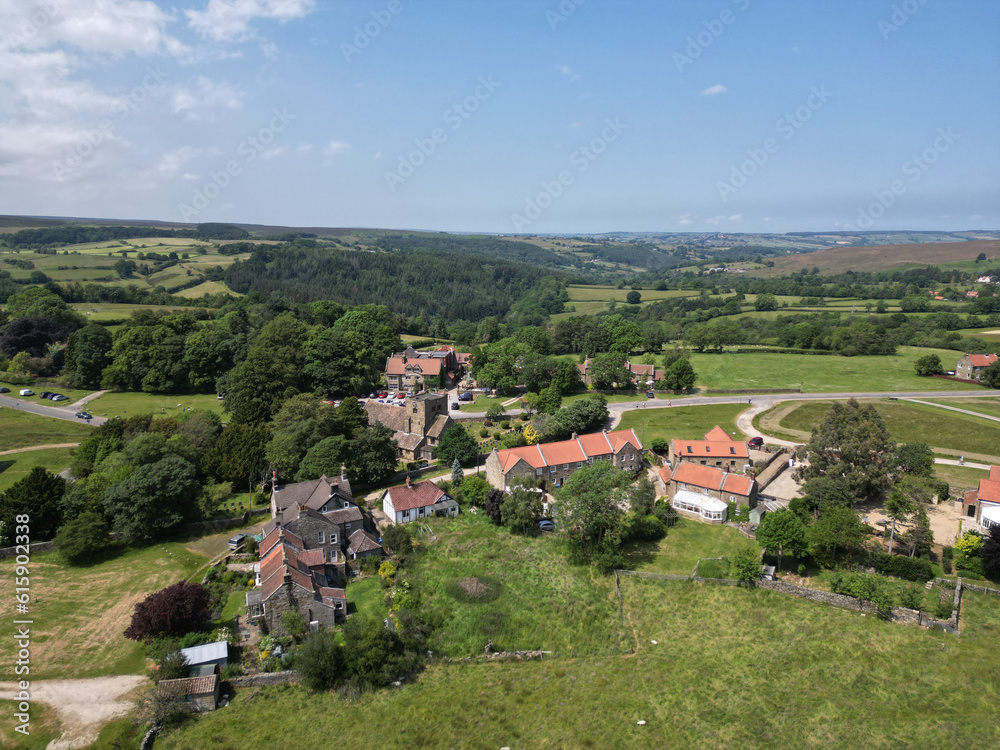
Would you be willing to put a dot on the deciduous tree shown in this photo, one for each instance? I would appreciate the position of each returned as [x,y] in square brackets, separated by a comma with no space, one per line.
[175,610]
[782,531]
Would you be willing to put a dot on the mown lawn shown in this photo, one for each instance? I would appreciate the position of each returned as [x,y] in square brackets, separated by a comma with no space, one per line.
[527,596]
[915,423]
[127,404]
[685,543]
[80,613]
[681,422]
[715,667]
[19,429]
[16,466]
[821,374]
[988,406]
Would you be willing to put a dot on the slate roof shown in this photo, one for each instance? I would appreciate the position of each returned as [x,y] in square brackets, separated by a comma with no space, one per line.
[361,541]
[712,478]
[441,423]
[189,685]
[418,495]
[345,515]
[314,494]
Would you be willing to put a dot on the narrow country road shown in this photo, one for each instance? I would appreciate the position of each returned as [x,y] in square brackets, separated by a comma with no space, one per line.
[65,412]
[38,448]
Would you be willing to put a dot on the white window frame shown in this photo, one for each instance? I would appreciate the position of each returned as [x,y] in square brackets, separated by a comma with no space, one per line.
[322,537]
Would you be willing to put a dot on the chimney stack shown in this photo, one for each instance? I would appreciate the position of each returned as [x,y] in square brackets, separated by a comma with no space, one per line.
[343,471]
[409,482]
[274,480]
[575,436]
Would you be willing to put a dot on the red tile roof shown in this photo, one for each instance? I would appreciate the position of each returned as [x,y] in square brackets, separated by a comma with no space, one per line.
[418,495]
[712,478]
[989,490]
[428,366]
[710,449]
[665,473]
[982,360]
[576,449]
[718,434]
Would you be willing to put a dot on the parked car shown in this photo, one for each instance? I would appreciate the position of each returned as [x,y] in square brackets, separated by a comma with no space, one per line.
[454,404]
[466,396]
[4,390]
[27,392]
[546,525]
[237,541]
[384,394]
[44,394]
[410,394]
[650,394]
[84,415]
[220,396]
[756,442]
[58,397]
[372,395]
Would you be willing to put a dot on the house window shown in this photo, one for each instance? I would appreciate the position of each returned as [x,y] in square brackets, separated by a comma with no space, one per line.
[552,469]
[538,472]
[321,537]
[348,526]
[565,467]
[631,457]
[333,538]
[579,465]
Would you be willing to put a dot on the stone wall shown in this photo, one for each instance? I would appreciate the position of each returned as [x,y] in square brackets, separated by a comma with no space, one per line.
[32,549]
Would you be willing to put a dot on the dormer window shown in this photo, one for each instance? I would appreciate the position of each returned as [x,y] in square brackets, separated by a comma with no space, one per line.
[690,449]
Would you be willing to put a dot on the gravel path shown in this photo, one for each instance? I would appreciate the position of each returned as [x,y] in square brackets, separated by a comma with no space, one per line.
[83,706]
[38,448]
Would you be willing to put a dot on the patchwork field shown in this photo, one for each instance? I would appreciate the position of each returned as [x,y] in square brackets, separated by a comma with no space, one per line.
[882,257]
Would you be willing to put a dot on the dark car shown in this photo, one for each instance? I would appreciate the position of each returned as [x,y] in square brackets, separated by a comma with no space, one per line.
[465,396]
[756,442]
[650,394]
[84,415]
[44,394]
[4,390]
[454,404]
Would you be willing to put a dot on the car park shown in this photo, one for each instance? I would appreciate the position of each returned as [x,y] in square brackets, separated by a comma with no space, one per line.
[392,395]
[410,394]
[756,442]
[84,415]
[384,394]
[44,394]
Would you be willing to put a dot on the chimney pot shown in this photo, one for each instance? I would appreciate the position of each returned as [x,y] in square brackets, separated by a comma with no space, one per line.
[343,471]
[409,482]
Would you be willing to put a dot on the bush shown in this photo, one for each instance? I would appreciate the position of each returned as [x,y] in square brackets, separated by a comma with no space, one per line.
[911,596]
[396,539]
[648,529]
[942,610]
[660,446]
[175,610]
[970,564]
[484,433]
[523,416]
[947,559]
[505,425]
[908,568]
[83,539]
[172,666]
[320,661]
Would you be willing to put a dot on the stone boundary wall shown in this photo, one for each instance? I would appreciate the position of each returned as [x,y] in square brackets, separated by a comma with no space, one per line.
[32,549]
[980,589]
[149,739]
[265,678]
[901,615]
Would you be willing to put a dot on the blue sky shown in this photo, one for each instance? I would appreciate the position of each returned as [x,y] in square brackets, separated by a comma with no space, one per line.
[505,115]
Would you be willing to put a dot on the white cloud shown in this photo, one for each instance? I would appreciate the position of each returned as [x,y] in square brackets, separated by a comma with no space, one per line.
[767,219]
[714,90]
[684,222]
[207,96]
[736,218]
[229,20]
[170,163]
[273,153]
[567,71]
[335,148]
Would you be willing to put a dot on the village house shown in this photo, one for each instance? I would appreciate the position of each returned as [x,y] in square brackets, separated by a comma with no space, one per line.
[983,503]
[197,693]
[553,463]
[717,449]
[417,426]
[708,480]
[321,494]
[414,370]
[293,578]
[411,502]
[971,366]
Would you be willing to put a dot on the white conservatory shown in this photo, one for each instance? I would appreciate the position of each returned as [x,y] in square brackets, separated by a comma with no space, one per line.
[704,507]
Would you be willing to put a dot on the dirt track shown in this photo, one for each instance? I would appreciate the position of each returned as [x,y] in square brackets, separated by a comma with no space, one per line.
[82,706]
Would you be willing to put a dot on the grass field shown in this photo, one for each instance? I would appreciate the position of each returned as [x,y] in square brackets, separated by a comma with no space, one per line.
[714,667]
[820,374]
[533,598]
[43,730]
[19,464]
[483,403]
[681,422]
[80,613]
[129,404]
[20,429]
[915,423]
[685,543]
[73,394]
[988,406]
[208,287]
[116,311]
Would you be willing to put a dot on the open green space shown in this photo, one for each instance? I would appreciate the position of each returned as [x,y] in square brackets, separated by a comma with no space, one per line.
[73,394]
[822,373]
[208,287]
[914,423]
[44,726]
[686,542]
[483,403]
[959,477]
[19,465]
[488,584]
[126,404]
[80,613]
[714,667]
[681,422]
[96,311]
[19,429]
[987,405]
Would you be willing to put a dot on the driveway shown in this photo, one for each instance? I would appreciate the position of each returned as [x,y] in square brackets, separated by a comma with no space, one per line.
[83,706]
